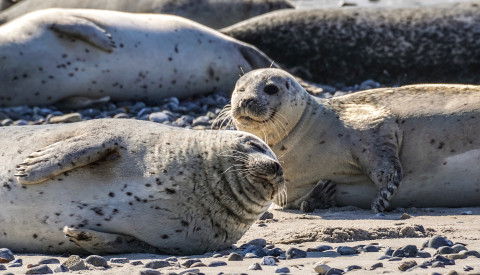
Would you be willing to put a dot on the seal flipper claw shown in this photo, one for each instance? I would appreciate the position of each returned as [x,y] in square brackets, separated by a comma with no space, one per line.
[96,242]
[63,156]
[322,196]
[86,30]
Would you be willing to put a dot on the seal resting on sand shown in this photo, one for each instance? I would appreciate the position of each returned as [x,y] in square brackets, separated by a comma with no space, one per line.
[414,145]
[123,186]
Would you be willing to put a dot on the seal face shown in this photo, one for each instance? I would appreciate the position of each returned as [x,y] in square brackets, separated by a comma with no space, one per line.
[114,190]
[59,54]
[367,144]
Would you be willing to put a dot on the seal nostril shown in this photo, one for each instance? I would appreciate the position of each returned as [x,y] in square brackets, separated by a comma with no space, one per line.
[277,167]
[270,89]
[247,102]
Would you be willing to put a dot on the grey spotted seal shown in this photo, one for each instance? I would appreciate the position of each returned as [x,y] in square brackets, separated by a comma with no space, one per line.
[55,54]
[408,146]
[212,13]
[393,45]
[118,186]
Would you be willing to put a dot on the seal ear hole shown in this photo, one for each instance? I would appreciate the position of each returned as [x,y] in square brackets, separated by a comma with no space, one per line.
[270,89]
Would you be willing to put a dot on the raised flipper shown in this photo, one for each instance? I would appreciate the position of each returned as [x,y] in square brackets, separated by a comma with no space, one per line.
[84,29]
[322,196]
[107,243]
[65,155]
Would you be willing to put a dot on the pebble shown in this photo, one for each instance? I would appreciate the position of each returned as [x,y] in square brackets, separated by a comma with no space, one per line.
[159,117]
[438,241]
[255,266]
[405,216]
[189,262]
[321,268]
[119,260]
[389,251]
[68,118]
[319,248]
[2,267]
[283,269]
[467,268]
[149,271]
[49,260]
[201,120]
[267,260]
[171,259]
[451,272]
[266,216]
[96,260]
[250,256]
[217,263]
[234,257]
[384,257]
[467,213]
[258,242]
[375,266]
[155,264]
[407,265]
[334,271]
[199,264]
[295,253]
[346,250]
[258,251]
[60,268]
[41,269]
[217,255]
[135,263]
[6,255]
[352,267]
[16,263]
[74,262]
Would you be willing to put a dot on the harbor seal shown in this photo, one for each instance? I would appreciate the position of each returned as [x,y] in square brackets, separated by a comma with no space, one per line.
[55,54]
[392,45]
[409,146]
[212,13]
[118,186]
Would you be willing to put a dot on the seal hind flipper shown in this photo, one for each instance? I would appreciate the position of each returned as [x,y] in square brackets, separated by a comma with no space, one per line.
[86,30]
[322,196]
[96,242]
[63,156]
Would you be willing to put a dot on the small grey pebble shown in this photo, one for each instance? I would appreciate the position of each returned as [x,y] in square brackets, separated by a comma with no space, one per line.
[268,260]
[458,247]
[334,271]
[60,269]
[283,269]
[375,266]
[16,263]
[258,242]
[255,266]
[217,263]
[201,120]
[295,253]
[250,256]
[68,118]
[455,256]
[346,250]
[41,269]
[199,264]
[266,215]
[20,122]
[6,255]
[159,117]
[74,262]
[148,271]
[155,264]
[438,241]
[270,246]
[6,122]
[234,257]
[135,263]
[189,262]
[119,260]
[423,254]
[96,260]
[2,267]
[395,259]
[49,260]
[352,267]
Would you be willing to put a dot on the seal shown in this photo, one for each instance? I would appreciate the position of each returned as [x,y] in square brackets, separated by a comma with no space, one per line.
[4,4]
[408,146]
[393,45]
[118,186]
[212,13]
[56,54]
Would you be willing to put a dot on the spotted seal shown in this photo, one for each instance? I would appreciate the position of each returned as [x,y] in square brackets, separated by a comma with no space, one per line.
[212,13]
[55,54]
[408,146]
[117,186]
[393,45]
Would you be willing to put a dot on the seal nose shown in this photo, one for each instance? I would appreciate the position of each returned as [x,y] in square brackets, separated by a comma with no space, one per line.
[277,168]
[247,103]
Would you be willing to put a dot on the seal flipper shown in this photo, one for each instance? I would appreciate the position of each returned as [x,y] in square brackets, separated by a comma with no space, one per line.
[86,30]
[322,196]
[63,156]
[96,242]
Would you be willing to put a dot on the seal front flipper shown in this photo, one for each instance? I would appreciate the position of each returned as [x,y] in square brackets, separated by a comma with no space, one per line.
[84,29]
[65,155]
[96,242]
[322,196]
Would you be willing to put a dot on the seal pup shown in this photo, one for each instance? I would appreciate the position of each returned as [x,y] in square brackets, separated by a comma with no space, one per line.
[409,146]
[55,54]
[394,46]
[213,13]
[118,186]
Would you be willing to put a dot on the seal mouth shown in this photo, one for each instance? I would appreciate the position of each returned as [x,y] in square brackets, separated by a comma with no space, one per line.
[249,119]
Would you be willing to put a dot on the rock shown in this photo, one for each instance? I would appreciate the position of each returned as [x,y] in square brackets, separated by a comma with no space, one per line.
[2,267]
[258,242]
[443,260]
[16,263]
[189,262]
[6,255]
[250,256]
[60,268]
[49,260]
[6,122]
[41,269]
[346,250]
[20,122]
[352,267]
[155,264]
[217,263]
[267,215]
[282,270]
[234,257]
[256,250]
[334,271]
[407,265]
[135,263]
[456,256]
[467,213]
[255,266]
[438,241]
[295,253]
[470,253]
[74,263]
[423,254]
[467,268]
[119,260]
[267,260]
[218,255]
[405,216]
[371,248]
[96,260]
[68,118]
[159,117]
[458,247]
[438,264]
[375,266]
[319,248]
[201,120]
[148,271]
[321,268]
[199,264]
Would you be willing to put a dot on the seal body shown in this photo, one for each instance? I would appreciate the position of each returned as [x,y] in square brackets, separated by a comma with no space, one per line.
[118,186]
[409,146]
[393,45]
[55,54]
[213,13]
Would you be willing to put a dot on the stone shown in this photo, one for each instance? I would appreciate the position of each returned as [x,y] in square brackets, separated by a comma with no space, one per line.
[438,241]
[217,263]
[375,266]
[258,242]
[256,250]
[6,255]
[409,251]
[135,263]
[199,264]
[189,262]
[405,216]
[96,260]
[68,118]
[119,260]
[467,268]
[295,253]
[395,259]
[234,257]
[74,262]
[60,268]
[159,117]
[346,250]
[282,270]
[41,269]
[255,266]
[267,260]
[201,120]
[266,216]
[148,271]
[320,268]
[155,264]
[407,265]
[49,260]
[250,256]
[16,263]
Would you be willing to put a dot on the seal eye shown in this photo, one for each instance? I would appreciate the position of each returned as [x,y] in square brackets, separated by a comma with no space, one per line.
[270,89]
[256,146]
